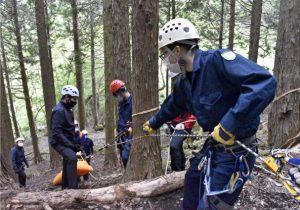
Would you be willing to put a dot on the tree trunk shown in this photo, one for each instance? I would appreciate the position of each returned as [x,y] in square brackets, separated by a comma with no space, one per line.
[111,158]
[68,198]
[255,29]
[36,151]
[78,65]
[173,9]
[48,34]
[231,24]
[7,138]
[221,25]
[93,74]
[11,102]
[284,117]
[169,10]
[47,74]
[145,157]
[121,41]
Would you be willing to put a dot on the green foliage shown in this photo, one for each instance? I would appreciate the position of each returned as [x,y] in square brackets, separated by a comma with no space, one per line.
[204,14]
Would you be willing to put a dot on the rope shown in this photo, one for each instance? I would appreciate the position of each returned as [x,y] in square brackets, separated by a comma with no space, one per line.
[145,112]
[154,135]
[286,93]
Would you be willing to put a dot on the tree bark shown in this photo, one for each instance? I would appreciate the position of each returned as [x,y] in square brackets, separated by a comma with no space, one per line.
[255,29]
[121,41]
[231,25]
[48,34]
[173,9]
[284,117]
[78,65]
[36,151]
[111,159]
[145,157]
[221,25]
[11,102]
[47,73]
[67,198]
[93,74]
[169,10]
[7,137]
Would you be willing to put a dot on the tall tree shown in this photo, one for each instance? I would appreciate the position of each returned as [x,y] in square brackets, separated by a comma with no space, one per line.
[47,74]
[111,158]
[284,117]
[48,34]
[7,138]
[93,74]
[145,156]
[173,9]
[121,41]
[36,151]
[255,29]
[78,65]
[221,24]
[231,24]
[11,102]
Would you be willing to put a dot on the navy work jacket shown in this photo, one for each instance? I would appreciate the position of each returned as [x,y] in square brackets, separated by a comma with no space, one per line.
[224,88]
[18,158]
[125,114]
[62,126]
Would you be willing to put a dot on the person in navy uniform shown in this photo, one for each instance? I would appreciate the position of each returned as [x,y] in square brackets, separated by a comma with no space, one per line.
[124,98]
[63,135]
[88,148]
[19,161]
[227,93]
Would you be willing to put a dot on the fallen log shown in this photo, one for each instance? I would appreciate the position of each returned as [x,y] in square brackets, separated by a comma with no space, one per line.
[67,198]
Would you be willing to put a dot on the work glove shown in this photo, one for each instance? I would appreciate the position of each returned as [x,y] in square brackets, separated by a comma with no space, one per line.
[79,153]
[147,128]
[295,174]
[129,131]
[222,136]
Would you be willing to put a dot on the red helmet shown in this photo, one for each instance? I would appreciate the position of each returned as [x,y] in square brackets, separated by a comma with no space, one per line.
[116,85]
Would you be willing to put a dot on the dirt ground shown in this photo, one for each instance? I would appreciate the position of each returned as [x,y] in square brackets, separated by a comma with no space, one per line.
[262,192]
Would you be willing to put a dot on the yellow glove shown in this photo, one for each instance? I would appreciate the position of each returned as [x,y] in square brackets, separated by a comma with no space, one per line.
[222,136]
[147,128]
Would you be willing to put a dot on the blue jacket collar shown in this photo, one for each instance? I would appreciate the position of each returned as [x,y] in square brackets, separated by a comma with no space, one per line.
[196,63]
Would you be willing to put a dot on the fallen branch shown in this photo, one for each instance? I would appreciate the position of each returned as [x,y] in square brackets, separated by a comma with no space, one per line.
[66,198]
[291,142]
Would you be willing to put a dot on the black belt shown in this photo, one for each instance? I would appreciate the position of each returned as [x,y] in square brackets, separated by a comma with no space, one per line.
[235,147]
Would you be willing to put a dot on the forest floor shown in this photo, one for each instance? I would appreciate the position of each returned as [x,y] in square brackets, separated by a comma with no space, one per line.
[262,192]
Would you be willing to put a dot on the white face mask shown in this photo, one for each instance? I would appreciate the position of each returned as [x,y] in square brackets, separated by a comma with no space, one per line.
[172,67]
[175,68]
[20,144]
[119,98]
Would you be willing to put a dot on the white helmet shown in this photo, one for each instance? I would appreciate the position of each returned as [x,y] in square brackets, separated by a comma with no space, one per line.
[19,139]
[70,90]
[176,30]
[84,132]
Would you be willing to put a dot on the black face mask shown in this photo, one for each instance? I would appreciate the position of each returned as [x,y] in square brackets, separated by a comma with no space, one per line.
[70,104]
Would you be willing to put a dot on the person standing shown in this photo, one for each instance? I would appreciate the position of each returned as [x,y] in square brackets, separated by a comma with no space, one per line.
[19,161]
[63,135]
[124,98]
